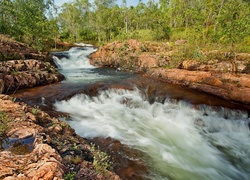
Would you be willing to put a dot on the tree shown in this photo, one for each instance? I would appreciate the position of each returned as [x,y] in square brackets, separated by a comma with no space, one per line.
[101,19]
[6,11]
[234,21]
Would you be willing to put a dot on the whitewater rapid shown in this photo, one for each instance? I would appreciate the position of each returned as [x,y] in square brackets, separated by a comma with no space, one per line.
[179,140]
[182,142]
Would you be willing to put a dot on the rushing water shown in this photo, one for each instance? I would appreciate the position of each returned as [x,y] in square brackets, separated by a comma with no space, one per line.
[178,139]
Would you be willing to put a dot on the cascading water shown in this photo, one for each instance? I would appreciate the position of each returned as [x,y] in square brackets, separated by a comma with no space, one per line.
[178,140]
[75,66]
[182,142]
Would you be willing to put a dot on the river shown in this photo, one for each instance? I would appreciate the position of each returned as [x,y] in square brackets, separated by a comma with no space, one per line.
[160,131]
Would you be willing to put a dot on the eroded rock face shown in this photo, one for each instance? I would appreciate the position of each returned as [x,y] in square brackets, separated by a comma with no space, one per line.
[224,74]
[17,74]
[216,66]
[37,146]
[233,87]
[12,50]
[22,66]
[132,55]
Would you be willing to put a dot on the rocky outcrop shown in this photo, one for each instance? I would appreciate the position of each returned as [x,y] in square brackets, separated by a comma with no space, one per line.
[23,67]
[226,85]
[132,55]
[13,50]
[17,74]
[37,146]
[223,74]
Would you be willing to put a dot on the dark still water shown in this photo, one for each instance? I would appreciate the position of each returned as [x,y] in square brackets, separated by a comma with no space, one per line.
[153,129]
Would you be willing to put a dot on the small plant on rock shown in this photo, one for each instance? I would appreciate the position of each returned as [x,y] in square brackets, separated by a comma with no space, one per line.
[70,176]
[76,159]
[101,160]
[4,119]
[35,110]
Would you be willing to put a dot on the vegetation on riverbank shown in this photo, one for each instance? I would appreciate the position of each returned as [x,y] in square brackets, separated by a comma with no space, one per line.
[216,24]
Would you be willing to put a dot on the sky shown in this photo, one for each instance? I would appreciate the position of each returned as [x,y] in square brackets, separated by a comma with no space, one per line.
[129,2]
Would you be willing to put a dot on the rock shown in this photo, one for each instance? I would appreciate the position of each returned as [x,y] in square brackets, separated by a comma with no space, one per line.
[29,73]
[31,116]
[21,133]
[25,67]
[180,42]
[87,172]
[223,74]
[189,65]
[226,85]
[1,84]
[33,143]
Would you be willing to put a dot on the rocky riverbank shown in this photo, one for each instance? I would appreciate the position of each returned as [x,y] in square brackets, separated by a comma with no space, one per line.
[23,67]
[37,146]
[34,145]
[223,74]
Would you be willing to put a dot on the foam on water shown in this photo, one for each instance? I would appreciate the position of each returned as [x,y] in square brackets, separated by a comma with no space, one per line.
[181,142]
[78,59]
[76,67]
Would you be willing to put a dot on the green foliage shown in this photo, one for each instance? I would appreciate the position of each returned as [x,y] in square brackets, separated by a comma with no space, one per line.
[76,159]
[35,110]
[15,73]
[70,176]
[27,21]
[4,119]
[201,22]
[101,160]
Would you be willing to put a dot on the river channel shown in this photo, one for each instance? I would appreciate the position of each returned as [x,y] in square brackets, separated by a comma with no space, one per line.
[154,130]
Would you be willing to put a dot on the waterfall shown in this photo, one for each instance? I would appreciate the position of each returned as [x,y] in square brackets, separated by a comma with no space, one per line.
[181,142]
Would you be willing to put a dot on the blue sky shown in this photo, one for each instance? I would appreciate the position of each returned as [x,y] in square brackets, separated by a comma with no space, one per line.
[129,2]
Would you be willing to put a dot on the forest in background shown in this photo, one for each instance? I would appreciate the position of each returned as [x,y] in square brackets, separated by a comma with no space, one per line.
[212,24]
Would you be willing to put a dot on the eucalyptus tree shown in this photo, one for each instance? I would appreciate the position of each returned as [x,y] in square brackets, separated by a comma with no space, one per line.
[69,21]
[125,14]
[101,20]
